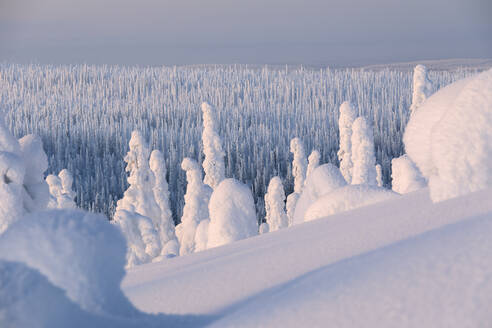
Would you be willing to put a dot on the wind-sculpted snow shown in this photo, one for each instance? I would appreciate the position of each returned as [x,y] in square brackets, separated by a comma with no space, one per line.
[439,279]
[225,280]
[63,268]
[450,138]
[79,252]
[85,116]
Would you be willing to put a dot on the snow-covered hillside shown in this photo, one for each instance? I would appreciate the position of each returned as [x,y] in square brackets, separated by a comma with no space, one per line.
[406,255]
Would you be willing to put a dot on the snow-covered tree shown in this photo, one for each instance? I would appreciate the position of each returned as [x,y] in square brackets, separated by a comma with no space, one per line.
[213,164]
[12,173]
[22,187]
[299,168]
[313,162]
[36,191]
[422,87]
[140,239]
[201,235]
[196,206]
[165,227]
[379,175]
[139,199]
[363,158]
[405,175]
[276,218]
[264,228]
[67,183]
[232,214]
[299,164]
[345,122]
[60,187]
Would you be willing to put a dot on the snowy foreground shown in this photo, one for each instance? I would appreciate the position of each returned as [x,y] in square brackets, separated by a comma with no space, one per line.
[406,262]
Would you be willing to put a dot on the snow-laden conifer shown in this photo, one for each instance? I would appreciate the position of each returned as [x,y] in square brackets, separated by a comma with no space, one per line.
[213,164]
[379,175]
[196,206]
[22,186]
[299,168]
[276,218]
[165,226]
[66,179]
[232,214]
[405,175]
[138,202]
[60,187]
[422,87]
[363,158]
[313,162]
[299,164]
[36,191]
[345,122]
[12,173]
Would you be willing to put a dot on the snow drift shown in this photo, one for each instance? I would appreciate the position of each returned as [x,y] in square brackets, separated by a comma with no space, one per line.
[450,137]
[78,252]
[438,279]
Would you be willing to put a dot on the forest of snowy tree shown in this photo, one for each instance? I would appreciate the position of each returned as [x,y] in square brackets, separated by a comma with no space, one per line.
[85,116]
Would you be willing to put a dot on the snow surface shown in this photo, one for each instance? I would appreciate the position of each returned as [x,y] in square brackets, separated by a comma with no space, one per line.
[323,180]
[450,138]
[337,269]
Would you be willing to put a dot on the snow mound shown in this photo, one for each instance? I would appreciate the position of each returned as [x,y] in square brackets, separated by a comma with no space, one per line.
[78,252]
[438,279]
[232,214]
[347,198]
[450,137]
[323,180]
[28,299]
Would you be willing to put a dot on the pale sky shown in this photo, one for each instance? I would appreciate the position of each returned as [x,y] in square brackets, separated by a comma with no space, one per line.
[319,32]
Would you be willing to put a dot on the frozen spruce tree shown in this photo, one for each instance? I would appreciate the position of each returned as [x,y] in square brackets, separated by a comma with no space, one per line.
[165,226]
[379,175]
[276,218]
[405,175]
[22,186]
[139,198]
[363,158]
[213,164]
[345,122]
[66,179]
[195,208]
[422,87]
[61,193]
[232,214]
[313,162]
[12,173]
[299,168]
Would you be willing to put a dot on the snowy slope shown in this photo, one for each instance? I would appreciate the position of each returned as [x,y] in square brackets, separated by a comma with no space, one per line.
[232,282]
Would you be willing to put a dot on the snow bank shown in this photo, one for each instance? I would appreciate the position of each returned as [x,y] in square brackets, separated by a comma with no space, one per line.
[232,214]
[438,279]
[78,252]
[323,180]
[28,299]
[347,198]
[450,137]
